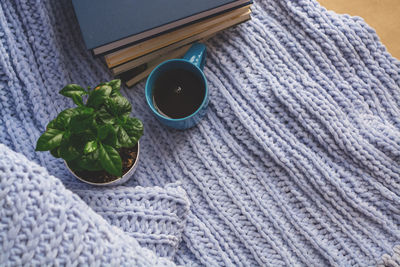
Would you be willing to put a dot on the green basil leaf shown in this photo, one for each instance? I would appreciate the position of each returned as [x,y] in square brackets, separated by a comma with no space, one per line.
[119,105]
[90,147]
[103,131]
[79,140]
[55,152]
[77,100]
[49,140]
[115,84]
[123,138]
[112,138]
[72,90]
[81,123]
[68,152]
[62,121]
[99,85]
[54,124]
[74,164]
[104,116]
[98,96]
[121,120]
[84,110]
[64,117]
[91,162]
[134,128]
[115,93]
[66,136]
[110,160]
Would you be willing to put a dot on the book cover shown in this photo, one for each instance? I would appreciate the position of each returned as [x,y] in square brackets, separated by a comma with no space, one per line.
[106,25]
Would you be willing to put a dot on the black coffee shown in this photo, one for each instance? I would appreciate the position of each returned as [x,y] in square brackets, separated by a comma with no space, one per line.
[177,93]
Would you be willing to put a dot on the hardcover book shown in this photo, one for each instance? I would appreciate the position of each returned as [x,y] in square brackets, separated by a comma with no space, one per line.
[107,25]
[174,37]
[133,73]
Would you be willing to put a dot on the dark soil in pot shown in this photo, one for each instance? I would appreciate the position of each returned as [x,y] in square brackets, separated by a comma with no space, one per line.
[128,156]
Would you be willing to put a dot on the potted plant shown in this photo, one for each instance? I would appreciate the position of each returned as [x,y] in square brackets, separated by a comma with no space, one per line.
[98,139]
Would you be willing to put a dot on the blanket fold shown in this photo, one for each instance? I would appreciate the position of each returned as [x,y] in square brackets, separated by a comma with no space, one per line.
[43,223]
[154,216]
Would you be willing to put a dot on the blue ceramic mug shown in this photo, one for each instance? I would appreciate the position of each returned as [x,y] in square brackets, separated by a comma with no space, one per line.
[192,61]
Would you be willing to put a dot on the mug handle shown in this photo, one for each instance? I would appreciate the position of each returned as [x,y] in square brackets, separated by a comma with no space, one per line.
[196,55]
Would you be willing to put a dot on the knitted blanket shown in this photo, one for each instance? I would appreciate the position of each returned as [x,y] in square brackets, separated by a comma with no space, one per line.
[296,163]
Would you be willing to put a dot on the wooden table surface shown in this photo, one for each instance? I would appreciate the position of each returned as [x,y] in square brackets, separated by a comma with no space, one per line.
[382,15]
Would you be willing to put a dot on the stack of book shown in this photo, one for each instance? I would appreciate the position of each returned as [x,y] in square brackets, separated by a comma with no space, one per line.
[134,36]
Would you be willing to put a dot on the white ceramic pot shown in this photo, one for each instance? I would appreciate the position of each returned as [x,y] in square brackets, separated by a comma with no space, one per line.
[124,178]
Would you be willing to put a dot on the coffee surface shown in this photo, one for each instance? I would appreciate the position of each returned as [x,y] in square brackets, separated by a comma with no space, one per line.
[178,93]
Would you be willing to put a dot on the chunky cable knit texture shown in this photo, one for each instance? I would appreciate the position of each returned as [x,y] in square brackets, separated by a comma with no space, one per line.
[391,260]
[296,163]
[155,216]
[43,223]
